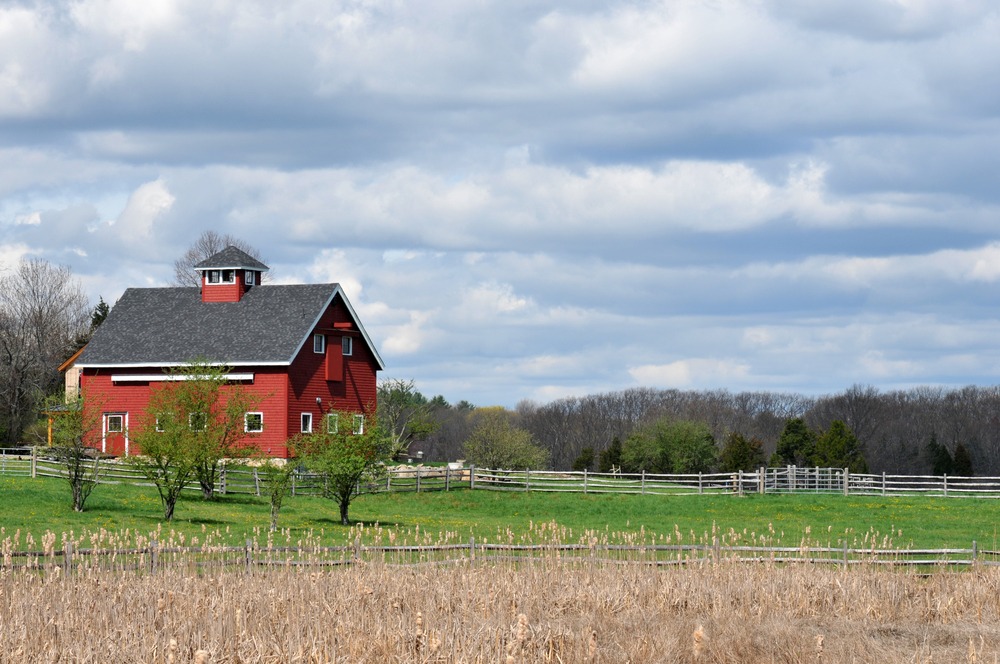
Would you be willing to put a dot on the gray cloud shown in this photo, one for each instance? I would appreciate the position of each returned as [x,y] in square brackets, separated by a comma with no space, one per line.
[533,200]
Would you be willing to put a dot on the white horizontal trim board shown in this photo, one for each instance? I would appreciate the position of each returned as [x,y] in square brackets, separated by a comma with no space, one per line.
[153,378]
[166,365]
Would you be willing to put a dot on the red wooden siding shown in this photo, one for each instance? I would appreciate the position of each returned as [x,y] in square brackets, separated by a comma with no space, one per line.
[269,388]
[354,391]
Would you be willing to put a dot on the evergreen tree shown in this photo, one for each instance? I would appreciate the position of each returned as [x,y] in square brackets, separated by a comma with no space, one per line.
[962,465]
[796,445]
[585,461]
[740,453]
[940,458]
[611,458]
[838,447]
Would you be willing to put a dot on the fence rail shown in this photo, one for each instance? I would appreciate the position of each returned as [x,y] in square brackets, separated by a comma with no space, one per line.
[242,479]
[153,557]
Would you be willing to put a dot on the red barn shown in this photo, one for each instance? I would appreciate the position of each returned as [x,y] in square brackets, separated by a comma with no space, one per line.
[299,348]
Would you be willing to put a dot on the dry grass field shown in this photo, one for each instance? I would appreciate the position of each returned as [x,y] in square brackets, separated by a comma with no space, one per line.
[549,610]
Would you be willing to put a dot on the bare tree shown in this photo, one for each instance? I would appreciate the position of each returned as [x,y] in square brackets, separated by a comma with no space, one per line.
[42,311]
[208,244]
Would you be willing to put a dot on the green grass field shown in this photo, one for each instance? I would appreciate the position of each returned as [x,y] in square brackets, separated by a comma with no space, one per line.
[39,505]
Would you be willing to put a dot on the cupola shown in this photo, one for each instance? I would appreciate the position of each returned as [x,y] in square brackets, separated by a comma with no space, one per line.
[228,275]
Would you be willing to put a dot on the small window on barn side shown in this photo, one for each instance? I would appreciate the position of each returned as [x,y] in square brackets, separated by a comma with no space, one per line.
[253,422]
[116,423]
[319,343]
[307,423]
[229,276]
[214,276]
[332,422]
[347,346]
[359,424]
[249,278]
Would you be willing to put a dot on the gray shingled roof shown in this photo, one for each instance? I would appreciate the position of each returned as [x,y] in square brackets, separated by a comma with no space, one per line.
[172,325]
[231,257]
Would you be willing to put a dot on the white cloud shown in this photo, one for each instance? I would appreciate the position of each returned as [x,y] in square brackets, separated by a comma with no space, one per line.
[691,373]
[144,207]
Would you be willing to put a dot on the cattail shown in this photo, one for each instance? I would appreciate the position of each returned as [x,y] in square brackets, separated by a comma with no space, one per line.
[522,628]
[201,657]
[171,649]
[819,647]
[418,633]
[972,658]
[699,642]
[592,646]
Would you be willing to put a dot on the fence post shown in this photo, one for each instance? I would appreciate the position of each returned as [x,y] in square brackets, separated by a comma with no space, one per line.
[883,482]
[845,553]
[153,547]
[761,480]
[739,478]
[222,481]
[68,558]
[248,555]
[472,548]
[447,477]
[847,482]
[418,479]
[388,480]
[294,473]
[946,485]
[34,462]
[642,484]
[699,483]
[527,479]
[472,476]
[256,482]
[975,552]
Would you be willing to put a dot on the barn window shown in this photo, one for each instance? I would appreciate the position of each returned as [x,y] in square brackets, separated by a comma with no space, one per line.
[359,424]
[319,343]
[253,422]
[213,276]
[331,422]
[307,423]
[249,278]
[347,345]
[116,423]
[229,276]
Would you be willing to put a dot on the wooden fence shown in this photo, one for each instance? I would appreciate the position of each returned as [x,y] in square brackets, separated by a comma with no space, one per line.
[243,479]
[72,558]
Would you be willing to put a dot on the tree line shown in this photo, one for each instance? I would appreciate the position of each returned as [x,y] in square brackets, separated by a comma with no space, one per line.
[921,430]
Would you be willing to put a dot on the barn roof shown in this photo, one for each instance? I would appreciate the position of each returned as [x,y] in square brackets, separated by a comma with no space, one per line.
[170,326]
[231,258]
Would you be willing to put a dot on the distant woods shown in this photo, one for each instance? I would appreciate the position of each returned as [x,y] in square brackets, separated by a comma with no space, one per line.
[920,430]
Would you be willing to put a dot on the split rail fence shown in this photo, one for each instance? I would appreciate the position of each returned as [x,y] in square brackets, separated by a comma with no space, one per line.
[73,559]
[243,479]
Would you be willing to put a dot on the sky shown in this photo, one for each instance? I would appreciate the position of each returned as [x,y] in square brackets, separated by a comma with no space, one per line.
[536,200]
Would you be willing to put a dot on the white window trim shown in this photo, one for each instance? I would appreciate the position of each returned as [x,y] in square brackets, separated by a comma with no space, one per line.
[213,277]
[249,278]
[347,346]
[319,344]
[121,422]
[246,422]
[306,422]
[332,422]
[359,424]
[232,277]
